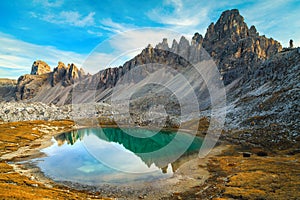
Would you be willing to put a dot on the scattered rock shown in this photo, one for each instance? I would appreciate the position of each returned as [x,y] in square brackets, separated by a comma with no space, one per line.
[262,153]
[246,154]
[13,111]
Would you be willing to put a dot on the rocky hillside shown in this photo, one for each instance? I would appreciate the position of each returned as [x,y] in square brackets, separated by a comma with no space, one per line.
[264,105]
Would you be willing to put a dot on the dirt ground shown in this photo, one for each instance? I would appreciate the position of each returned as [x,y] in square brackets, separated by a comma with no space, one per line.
[231,176]
[272,177]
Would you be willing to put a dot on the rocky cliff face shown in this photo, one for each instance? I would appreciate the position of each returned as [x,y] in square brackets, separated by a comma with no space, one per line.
[264,105]
[29,85]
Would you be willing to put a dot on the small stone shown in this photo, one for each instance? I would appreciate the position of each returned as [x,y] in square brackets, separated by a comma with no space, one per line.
[262,153]
[246,154]
[34,185]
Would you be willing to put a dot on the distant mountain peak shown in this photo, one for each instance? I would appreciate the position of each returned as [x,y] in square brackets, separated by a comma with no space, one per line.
[230,25]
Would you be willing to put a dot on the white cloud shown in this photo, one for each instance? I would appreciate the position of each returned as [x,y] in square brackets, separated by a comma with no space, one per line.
[176,13]
[96,33]
[17,56]
[72,18]
[97,61]
[47,3]
[140,38]
[109,25]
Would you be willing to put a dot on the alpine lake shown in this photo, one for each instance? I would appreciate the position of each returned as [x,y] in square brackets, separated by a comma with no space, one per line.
[96,156]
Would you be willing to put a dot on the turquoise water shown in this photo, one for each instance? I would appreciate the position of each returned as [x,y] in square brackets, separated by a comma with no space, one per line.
[95,156]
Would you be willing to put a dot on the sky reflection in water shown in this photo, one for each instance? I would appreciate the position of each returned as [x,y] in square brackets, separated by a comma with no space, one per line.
[96,156]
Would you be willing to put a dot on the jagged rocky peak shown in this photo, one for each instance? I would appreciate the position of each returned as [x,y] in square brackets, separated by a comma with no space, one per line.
[183,47]
[183,42]
[40,67]
[233,46]
[163,45]
[59,73]
[73,71]
[66,74]
[174,47]
[231,29]
[230,25]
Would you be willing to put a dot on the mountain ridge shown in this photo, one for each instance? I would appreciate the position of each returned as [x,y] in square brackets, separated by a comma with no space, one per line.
[229,41]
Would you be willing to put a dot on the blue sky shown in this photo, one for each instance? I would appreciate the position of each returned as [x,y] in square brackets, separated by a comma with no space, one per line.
[68,31]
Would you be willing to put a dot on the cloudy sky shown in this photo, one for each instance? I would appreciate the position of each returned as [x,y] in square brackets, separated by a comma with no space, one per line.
[68,31]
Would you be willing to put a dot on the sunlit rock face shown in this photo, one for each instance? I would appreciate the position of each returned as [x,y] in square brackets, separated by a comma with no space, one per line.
[40,67]
[66,75]
[235,48]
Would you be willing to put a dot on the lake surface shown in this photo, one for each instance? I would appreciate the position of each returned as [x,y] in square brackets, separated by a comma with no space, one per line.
[96,156]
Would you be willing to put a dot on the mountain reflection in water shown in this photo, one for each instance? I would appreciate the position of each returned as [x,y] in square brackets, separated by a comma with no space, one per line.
[147,148]
[96,156]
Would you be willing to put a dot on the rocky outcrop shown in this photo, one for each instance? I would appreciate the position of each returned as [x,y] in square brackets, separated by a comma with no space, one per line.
[40,67]
[66,75]
[41,78]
